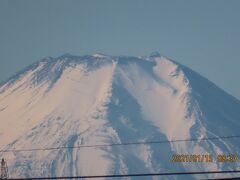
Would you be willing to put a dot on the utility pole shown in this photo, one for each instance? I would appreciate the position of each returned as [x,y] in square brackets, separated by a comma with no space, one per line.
[4,169]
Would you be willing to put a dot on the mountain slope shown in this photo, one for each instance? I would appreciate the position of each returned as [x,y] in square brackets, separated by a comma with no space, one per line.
[98,99]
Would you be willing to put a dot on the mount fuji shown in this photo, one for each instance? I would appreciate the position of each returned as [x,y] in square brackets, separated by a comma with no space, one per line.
[99,99]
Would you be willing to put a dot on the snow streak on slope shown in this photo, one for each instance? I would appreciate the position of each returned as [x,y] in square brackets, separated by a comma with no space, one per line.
[100,99]
[160,95]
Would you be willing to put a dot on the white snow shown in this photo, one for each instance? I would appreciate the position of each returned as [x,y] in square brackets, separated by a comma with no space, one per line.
[113,101]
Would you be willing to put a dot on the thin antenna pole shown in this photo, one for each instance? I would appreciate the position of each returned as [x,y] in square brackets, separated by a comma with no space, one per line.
[4,169]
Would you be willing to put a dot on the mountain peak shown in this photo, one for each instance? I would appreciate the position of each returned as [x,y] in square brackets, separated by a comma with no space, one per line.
[87,100]
[155,54]
[67,56]
[99,55]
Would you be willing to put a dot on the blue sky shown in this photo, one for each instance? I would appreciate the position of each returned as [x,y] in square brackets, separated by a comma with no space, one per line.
[203,35]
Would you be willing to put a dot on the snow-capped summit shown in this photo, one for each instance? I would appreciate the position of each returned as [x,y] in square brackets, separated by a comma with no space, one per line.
[99,99]
[99,55]
[155,54]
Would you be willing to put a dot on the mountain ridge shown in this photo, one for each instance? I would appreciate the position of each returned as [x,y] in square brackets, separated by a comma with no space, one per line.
[100,99]
[70,57]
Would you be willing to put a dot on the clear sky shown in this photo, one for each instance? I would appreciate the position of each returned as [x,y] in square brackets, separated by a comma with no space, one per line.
[203,35]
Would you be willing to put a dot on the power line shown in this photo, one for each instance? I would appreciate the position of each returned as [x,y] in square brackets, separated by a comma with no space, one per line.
[133,175]
[121,144]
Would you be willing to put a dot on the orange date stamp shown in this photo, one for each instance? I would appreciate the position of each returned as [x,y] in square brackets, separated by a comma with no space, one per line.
[204,158]
[180,158]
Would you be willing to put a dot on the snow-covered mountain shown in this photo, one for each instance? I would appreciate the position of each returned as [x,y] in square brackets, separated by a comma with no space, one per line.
[100,99]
